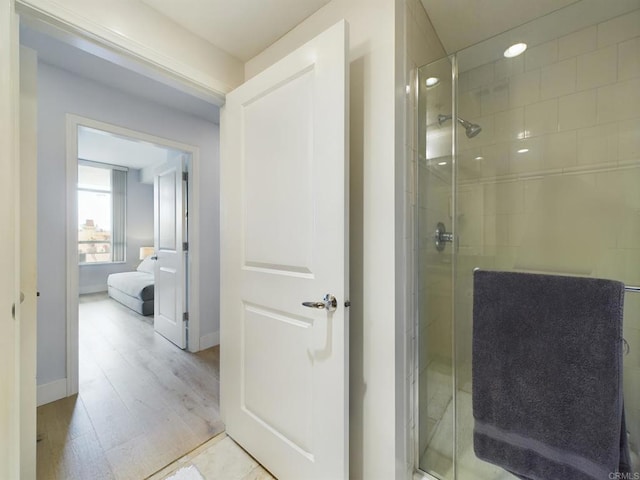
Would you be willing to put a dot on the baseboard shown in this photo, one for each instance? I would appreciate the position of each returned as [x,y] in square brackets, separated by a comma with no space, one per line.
[84,289]
[209,340]
[50,392]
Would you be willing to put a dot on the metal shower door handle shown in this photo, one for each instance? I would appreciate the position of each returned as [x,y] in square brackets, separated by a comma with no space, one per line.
[329,303]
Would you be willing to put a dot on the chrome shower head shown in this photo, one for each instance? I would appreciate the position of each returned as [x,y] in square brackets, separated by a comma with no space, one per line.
[471,129]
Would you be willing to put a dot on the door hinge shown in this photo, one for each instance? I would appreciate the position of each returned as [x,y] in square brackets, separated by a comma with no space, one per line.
[185,246]
[185,176]
[185,317]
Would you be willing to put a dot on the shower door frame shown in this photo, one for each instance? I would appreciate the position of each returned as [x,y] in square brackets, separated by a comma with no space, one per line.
[418,473]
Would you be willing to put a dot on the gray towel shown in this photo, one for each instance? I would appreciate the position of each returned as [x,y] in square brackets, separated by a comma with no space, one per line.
[547,375]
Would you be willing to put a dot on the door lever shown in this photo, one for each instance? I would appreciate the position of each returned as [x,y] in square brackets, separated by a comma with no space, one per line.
[329,303]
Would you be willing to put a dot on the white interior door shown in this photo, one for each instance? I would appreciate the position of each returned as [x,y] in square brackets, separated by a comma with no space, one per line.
[170,268]
[28,259]
[9,245]
[284,238]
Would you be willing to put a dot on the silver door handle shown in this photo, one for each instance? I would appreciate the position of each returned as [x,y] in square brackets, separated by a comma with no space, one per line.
[329,303]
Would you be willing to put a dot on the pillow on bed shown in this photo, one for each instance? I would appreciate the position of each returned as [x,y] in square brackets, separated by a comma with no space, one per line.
[146,265]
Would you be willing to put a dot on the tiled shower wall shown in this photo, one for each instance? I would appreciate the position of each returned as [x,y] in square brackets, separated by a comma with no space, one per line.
[552,183]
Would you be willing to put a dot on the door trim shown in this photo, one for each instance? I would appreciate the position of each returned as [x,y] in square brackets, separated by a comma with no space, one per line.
[59,21]
[72,274]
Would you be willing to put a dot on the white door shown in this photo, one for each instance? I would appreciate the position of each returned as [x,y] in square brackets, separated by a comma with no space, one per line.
[171,257]
[284,239]
[28,259]
[10,314]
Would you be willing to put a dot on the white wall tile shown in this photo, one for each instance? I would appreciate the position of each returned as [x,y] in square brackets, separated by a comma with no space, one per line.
[597,68]
[510,197]
[493,229]
[526,162]
[577,110]
[481,76]
[619,101]
[495,160]
[619,29]
[629,140]
[598,145]
[560,150]
[508,67]
[524,88]
[516,229]
[577,43]
[532,189]
[541,118]
[469,104]
[541,55]
[629,59]
[558,79]
[495,98]
[468,166]
[508,125]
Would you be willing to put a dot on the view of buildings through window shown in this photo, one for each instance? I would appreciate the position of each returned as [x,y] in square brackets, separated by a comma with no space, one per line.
[95,214]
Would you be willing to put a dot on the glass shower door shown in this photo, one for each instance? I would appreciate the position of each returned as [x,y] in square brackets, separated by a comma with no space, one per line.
[545,178]
[552,182]
[435,405]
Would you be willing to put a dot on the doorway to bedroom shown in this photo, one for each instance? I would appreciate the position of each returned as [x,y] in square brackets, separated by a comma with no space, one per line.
[148,401]
[142,400]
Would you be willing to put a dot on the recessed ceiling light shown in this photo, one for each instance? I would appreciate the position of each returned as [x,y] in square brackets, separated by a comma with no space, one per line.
[515,50]
[431,81]
[523,150]
[442,163]
[479,158]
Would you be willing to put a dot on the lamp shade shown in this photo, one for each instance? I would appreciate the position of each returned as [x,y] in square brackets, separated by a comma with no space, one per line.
[145,252]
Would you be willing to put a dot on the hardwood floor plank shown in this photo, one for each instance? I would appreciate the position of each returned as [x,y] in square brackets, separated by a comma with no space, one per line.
[143,402]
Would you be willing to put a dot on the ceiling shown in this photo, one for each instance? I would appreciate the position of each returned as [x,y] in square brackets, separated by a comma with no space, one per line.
[105,147]
[461,23]
[63,55]
[243,28]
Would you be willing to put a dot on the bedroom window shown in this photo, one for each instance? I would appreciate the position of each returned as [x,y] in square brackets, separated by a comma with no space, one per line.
[102,200]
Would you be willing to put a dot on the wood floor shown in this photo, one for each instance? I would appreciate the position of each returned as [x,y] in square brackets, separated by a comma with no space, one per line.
[143,402]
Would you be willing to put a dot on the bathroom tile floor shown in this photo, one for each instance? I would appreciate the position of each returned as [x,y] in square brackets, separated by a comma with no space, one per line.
[218,459]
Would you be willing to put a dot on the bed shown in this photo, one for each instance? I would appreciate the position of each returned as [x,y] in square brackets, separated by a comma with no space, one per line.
[134,289]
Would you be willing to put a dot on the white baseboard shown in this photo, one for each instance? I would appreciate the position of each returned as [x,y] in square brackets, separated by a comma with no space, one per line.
[84,289]
[209,340]
[50,392]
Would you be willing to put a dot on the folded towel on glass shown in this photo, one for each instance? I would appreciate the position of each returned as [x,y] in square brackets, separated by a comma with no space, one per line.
[547,375]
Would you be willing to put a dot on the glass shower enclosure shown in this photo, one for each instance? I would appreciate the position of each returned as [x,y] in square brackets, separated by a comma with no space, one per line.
[529,163]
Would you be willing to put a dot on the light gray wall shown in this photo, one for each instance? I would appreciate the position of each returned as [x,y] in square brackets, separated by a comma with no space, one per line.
[60,93]
[93,278]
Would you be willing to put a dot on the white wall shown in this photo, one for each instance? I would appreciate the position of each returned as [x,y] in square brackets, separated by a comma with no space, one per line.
[134,27]
[59,93]
[373,436]
[93,278]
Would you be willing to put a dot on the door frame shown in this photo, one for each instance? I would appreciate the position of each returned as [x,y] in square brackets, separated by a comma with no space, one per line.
[128,54]
[72,274]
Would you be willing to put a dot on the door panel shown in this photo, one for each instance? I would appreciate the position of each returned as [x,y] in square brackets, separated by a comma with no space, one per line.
[284,241]
[170,268]
[273,219]
[28,257]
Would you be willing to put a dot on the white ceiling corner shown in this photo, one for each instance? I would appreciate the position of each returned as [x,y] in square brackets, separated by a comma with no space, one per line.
[242,28]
